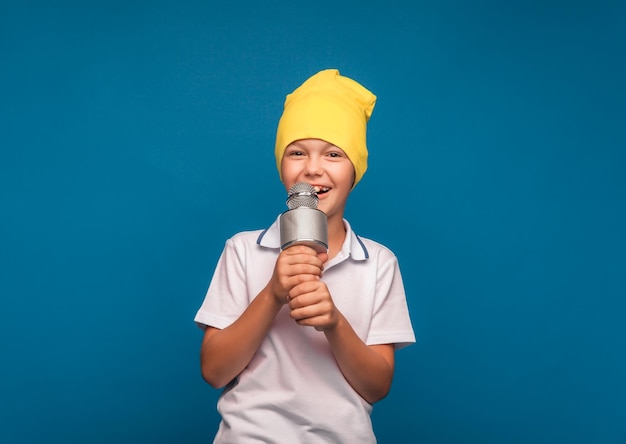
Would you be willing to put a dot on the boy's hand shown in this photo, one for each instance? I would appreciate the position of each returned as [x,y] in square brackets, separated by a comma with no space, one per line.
[294,266]
[312,305]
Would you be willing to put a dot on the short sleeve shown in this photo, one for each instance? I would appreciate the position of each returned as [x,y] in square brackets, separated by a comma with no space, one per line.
[391,323]
[226,297]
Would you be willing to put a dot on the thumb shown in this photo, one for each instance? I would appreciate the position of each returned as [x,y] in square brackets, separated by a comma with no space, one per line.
[323,257]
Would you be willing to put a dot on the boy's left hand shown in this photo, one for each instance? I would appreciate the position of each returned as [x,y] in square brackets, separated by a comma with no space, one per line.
[311,305]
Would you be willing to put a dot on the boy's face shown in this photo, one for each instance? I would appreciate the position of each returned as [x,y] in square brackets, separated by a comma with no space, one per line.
[324,166]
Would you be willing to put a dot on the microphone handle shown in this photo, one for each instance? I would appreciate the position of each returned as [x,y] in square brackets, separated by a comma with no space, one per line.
[304,226]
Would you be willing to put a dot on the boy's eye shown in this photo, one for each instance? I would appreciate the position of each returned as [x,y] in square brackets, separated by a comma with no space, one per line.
[295,153]
[334,154]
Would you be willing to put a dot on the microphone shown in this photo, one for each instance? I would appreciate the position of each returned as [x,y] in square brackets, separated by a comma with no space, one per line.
[303,223]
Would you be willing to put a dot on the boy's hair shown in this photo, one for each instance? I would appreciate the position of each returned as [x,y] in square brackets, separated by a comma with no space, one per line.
[330,107]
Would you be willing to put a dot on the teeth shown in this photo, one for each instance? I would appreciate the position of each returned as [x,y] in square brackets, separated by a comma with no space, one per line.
[321,189]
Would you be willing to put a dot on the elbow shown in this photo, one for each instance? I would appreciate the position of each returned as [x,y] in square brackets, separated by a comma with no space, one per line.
[213,378]
[213,382]
[378,391]
[378,395]
[383,393]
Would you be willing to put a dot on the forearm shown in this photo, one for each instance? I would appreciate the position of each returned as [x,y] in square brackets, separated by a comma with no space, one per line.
[225,353]
[368,369]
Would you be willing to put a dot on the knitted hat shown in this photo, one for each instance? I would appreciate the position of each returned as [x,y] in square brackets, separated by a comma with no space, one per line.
[330,107]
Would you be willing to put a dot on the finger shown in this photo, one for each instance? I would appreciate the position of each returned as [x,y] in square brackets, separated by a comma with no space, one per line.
[320,323]
[322,257]
[306,312]
[295,266]
[301,258]
[302,255]
[309,305]
[297,280]
[313,288]
[291,266]
[300,249]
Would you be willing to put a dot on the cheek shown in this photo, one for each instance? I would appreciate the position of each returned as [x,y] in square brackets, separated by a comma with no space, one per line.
[289,174]
[347,171]
[286,169]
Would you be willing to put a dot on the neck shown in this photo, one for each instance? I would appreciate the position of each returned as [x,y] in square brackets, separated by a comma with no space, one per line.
[336,236]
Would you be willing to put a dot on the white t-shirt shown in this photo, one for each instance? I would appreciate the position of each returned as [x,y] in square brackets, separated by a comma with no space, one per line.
[292,391]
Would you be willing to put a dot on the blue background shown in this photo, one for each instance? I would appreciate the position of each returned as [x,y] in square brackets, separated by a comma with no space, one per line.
[137,136]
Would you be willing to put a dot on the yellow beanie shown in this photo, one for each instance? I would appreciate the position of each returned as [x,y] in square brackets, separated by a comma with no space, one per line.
[330,107]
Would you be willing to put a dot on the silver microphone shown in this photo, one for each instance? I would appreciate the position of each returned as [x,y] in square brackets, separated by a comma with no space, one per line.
[303,223]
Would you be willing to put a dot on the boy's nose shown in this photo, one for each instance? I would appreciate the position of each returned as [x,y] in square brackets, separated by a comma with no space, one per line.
[313,166]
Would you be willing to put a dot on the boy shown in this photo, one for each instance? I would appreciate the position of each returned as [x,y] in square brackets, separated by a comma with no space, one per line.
[285,381]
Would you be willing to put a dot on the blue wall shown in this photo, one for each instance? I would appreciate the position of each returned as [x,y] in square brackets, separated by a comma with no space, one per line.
[136,137]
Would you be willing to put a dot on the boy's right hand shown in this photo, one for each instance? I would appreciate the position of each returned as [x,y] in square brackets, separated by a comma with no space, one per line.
[295,265]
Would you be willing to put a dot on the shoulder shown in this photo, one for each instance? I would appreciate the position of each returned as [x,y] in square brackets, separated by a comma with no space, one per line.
[244,240]
[362,247]
[241,247]
[376,249]
[268,238]
[244,237]
[257,240]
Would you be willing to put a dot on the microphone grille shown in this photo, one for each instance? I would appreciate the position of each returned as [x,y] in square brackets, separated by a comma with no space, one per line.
[302,194]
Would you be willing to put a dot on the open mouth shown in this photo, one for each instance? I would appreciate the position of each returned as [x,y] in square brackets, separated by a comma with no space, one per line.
[321,190]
